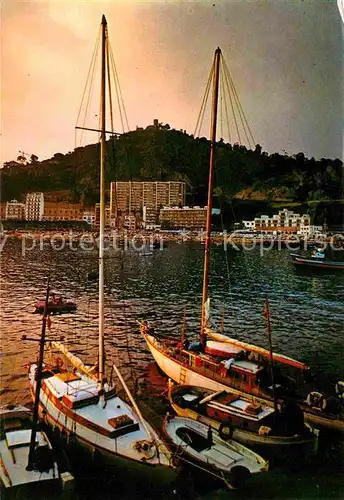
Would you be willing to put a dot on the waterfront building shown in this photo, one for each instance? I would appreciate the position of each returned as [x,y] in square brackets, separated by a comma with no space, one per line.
[310,231]
[183,218]
[34,206]
[128,197]
[15,210]
[149,216]
[89,217]
[285,222]
[60,210]
[108,218]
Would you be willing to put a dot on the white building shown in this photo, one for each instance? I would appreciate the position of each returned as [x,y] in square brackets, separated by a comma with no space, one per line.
[248,224]
[286,221]
[34,206]
[15,210]
[310,231]
[89,217]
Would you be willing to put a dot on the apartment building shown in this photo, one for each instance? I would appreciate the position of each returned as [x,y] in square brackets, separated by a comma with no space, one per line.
[149,216]
[127,197]
[34,206]
[15,210]
[193,218]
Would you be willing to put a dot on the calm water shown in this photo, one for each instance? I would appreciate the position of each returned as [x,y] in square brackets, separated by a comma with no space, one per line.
[307,309]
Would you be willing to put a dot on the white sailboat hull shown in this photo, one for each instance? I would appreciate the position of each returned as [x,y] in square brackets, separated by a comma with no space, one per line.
[81,428]
[178,372]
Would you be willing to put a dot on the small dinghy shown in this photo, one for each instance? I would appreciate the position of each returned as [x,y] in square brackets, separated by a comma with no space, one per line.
[228,460]
[56,305]
[17,478]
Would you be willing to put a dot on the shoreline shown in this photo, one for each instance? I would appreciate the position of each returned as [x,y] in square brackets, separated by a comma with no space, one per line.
[159,238]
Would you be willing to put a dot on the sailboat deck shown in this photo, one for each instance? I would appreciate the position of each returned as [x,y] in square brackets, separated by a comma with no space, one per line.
[114,419]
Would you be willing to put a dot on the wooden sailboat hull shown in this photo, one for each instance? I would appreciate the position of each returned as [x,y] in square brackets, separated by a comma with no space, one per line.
[80,433]
[307,445]
[183,374]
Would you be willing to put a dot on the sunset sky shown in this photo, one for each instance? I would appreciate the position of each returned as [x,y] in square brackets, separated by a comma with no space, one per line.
[285,58]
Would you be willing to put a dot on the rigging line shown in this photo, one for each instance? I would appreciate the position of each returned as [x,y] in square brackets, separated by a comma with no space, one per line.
[204,108]
[225,100]
[120,99]
[95,51]
[204,102]
[242,117]
[248,132]
[113,67]
[109,83]
[89,81]
[226,257]
[108,56]
[232,107]
[221,99]
[241,111]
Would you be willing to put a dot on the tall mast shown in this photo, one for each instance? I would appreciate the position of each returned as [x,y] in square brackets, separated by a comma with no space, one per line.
[210,187]
[102,206]
[38,377]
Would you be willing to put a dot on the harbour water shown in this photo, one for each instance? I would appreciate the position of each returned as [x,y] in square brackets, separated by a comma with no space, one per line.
[307,322]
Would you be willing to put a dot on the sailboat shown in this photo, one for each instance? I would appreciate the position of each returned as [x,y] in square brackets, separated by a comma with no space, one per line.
[81,403]
[216,361]
[29,465]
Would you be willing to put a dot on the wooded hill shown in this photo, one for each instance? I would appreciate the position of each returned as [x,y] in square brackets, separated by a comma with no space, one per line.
[159,153]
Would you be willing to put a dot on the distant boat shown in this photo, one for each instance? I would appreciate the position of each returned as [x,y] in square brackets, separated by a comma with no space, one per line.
[56,305]
[16,478]
[197,443]
[318,259]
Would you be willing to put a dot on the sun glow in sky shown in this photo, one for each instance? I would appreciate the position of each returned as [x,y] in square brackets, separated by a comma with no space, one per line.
[285,58]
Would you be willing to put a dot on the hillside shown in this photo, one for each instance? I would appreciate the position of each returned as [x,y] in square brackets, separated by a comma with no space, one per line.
[158,153]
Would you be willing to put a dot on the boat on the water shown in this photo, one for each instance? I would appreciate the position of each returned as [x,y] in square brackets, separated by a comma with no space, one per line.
[317,259]
[217,362]
[245,420]
[198,443]
[44,477]
[56,304]
[243,368]
[81,401]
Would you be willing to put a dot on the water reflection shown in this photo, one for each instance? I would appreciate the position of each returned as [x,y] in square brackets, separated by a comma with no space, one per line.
[307,310]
